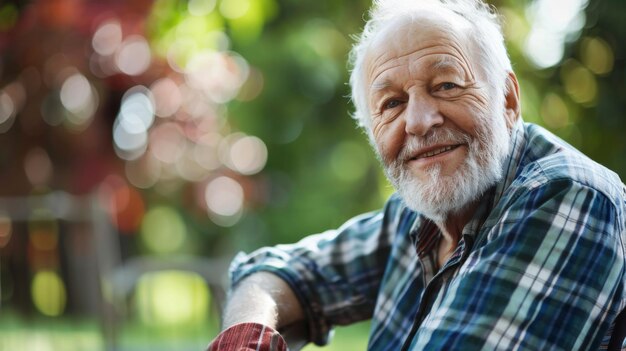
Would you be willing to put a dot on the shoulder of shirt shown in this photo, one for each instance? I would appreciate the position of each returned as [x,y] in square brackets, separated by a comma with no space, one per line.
[548,159]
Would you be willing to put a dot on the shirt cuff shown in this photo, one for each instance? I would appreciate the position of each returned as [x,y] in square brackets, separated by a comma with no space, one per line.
[248,337]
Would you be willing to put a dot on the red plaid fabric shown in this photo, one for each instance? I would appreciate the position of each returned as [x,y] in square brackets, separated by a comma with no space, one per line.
[248,337]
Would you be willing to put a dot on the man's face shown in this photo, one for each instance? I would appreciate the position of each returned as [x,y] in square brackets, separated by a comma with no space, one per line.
[439,129]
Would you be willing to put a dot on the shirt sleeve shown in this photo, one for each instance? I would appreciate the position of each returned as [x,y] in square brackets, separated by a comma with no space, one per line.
[248,337]
[335,274]
[547,275]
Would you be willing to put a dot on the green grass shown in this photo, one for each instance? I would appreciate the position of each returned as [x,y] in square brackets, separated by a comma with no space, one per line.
[48,334]
[72,334]
[350,338]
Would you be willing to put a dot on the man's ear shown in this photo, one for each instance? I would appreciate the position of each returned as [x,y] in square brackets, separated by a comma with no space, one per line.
[512,103]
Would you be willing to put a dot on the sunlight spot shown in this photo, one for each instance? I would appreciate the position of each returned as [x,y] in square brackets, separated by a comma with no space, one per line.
[163,230]
[134,57]
[107,38]
[48,293]
[172,297]
[200,7]
[224,196]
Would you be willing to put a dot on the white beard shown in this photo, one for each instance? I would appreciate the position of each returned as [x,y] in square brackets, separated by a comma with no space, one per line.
[440,196]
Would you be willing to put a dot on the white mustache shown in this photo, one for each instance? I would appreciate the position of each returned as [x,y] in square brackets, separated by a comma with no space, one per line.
[438,136]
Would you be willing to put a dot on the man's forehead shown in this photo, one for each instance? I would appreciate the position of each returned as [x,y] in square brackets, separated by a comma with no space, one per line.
[427,32]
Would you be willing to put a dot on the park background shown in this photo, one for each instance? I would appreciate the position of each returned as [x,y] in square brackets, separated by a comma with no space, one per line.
[143,143]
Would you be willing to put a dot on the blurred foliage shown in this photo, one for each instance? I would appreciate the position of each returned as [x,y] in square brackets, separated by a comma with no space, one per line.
[319,161]
[582,98]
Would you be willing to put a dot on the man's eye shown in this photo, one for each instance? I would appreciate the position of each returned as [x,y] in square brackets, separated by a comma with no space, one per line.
[391,104]
[447,86]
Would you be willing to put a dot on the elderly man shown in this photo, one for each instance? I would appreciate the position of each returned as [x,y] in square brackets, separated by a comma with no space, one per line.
[500,237]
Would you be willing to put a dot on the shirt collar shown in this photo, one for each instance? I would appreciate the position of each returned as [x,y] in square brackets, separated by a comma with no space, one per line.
[510,167]
[512,162]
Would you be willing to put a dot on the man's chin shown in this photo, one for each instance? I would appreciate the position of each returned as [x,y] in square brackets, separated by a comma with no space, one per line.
[430,202]
[441,196]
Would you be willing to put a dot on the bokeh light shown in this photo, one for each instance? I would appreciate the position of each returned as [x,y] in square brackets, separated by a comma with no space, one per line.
[124,204]
[248,155]
[6,229]
[172,297]
[218,75]
[163,230]
[597,55]
[17,91]
[189,169]
[200,7]
[136,116]
[205,151]
[7,112]
[579,82]
[48,293]
[167,142]
[76,93]
[224,198]
[544,48]
[188,35]
[234,8]
[144,172]
[553,23]
[196,105]
[554,111]
[107,38]
[137,109]
[38,166]
[80,98]
[102,66]
[134,55]
[129,144]
[167,97]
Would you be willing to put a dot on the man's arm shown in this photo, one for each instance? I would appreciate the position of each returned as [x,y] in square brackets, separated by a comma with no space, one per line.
[262,298]
[306,288]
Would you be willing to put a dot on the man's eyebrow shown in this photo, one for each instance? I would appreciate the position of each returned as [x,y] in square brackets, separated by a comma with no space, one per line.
[442,63]
[378,86]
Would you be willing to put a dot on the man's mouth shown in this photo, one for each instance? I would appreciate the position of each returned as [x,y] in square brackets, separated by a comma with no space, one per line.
[435,152]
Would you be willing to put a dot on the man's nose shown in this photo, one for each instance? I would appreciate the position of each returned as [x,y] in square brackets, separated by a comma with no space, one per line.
[423,114]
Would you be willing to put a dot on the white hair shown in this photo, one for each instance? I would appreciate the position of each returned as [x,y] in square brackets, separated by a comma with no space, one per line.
[486,34]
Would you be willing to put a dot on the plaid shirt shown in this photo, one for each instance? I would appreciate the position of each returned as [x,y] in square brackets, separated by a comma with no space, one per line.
[540,266]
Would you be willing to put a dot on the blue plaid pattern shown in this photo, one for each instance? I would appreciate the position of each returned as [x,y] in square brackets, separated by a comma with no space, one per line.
[540,266]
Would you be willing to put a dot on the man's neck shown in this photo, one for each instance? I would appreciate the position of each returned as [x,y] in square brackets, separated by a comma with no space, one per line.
[452,230]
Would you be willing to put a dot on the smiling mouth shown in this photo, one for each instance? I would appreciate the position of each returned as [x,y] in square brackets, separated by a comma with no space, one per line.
[435,152]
